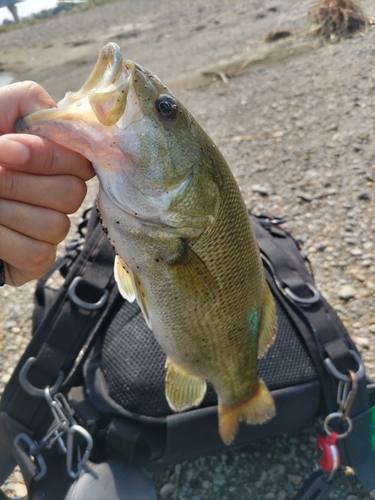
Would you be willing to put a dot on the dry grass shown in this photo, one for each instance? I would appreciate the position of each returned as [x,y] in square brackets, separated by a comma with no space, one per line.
[338,18]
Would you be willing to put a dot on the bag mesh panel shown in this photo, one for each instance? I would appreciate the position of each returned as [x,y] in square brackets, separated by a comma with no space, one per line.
[133,363]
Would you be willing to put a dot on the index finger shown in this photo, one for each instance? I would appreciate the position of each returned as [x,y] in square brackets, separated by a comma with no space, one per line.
[48,158]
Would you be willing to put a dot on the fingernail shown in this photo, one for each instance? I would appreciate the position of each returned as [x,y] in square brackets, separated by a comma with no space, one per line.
[13,152]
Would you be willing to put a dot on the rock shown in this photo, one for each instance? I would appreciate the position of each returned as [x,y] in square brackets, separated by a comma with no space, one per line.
[356,252]
[167,490]
[277,471]
[281,495]
[296,480]
[20,490]
[364,196]
[347,292]
[219,479]
[361,341]
[262,190]
[372,328]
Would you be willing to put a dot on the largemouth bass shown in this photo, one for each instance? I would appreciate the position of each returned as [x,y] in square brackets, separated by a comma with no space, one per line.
[185,247]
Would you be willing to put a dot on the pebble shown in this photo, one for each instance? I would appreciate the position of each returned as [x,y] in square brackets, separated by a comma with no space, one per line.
[364,196]
[167,490]
[372,328]
[5,378]
[347,292]
[296,480]
[276,471]
[20,490]
[262,190]
[361,341]
[219,479]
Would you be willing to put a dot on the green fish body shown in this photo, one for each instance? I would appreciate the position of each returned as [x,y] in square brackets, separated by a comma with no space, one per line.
[185,247]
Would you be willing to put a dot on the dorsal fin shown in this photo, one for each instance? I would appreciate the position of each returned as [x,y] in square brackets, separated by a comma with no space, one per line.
[267,327]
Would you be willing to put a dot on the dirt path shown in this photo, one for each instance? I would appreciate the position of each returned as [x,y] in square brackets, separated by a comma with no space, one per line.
[295,121]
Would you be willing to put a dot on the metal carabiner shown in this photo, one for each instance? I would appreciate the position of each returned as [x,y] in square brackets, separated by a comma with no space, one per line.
[81,461]
[345,397]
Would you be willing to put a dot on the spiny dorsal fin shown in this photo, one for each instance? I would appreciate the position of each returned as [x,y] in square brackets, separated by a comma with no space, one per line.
[267,329]
[182,389]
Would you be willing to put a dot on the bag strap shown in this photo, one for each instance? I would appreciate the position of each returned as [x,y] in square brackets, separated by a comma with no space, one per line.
[59,346]
[330,346]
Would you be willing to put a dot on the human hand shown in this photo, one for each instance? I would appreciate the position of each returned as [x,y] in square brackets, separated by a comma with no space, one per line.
[40,183]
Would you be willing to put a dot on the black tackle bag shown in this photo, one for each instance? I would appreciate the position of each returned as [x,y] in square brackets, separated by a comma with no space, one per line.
[92,377]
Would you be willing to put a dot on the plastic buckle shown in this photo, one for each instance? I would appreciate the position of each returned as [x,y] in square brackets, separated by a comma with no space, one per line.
[24,441]
[31,389]
[91,306]
[316,487]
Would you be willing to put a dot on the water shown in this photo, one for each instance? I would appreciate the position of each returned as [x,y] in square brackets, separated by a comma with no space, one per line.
[5,78]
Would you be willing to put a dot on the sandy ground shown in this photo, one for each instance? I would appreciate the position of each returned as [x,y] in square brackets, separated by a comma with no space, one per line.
[295,120]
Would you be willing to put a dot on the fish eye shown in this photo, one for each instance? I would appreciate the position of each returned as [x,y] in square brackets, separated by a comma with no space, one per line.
[167,107]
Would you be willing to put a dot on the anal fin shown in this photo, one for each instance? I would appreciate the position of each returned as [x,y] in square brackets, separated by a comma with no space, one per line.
[257,410]
[182,389]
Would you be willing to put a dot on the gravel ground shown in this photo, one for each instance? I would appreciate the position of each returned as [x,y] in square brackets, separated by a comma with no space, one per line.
[297,127]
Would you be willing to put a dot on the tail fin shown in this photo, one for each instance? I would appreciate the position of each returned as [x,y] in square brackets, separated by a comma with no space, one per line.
[257,410]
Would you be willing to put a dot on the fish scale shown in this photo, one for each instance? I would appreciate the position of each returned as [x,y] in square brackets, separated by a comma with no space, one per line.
[170,206]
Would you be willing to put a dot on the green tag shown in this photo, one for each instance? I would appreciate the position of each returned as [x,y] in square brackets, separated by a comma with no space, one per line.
[373,427]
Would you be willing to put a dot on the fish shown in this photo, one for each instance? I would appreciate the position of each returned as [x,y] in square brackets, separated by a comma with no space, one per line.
[185,247]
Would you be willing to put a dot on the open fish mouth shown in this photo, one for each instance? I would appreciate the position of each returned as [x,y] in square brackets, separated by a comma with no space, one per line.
[104,92]
[105,76]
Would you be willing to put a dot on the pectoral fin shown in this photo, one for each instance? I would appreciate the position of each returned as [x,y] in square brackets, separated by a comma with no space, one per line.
[123,279]
[182,389]
[267,323]
[141,299]
[192,274]
[130,287]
